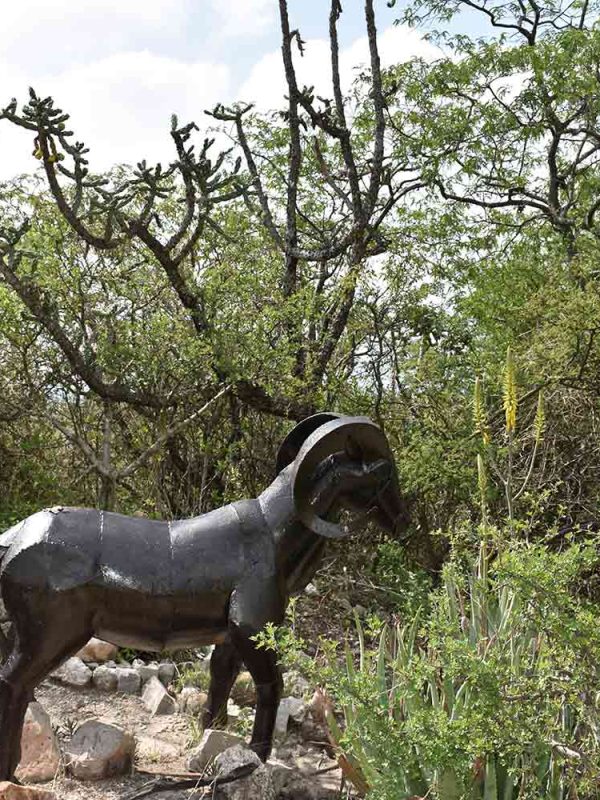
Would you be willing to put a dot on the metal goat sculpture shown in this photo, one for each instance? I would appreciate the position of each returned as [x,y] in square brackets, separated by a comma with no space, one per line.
[69,573]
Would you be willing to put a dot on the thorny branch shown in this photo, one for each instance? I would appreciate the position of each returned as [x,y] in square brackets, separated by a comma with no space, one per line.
[108,213]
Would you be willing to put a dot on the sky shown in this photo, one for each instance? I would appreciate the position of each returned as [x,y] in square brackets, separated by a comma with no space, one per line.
[122,67]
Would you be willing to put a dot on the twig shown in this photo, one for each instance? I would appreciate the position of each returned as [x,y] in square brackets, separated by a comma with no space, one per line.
[168,784]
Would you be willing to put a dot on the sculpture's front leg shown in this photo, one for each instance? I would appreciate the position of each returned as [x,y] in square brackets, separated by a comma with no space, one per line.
[252,606]
[262,665]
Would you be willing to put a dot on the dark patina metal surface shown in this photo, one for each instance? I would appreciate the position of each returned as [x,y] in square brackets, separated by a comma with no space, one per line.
[67,574]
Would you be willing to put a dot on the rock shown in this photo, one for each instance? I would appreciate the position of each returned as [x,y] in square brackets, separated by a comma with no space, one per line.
[192,700]
[73,672]
[146,671]
[281,722]
[295,685]
[244,690]
[212,743]
[5,628]
[281,774]
[289,707]
[298,709]
[156,750]
[311,590]
[98,750]
[258,785]
[307,785]
[233,712]
[300,788]
[10,791]
[156,698]
[105,678]
[166,672]
[98,650]
[40,754]
[128,680]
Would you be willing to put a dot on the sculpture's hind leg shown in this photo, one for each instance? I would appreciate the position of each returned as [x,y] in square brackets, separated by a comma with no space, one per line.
[11,710]
[40,644]
[225,665]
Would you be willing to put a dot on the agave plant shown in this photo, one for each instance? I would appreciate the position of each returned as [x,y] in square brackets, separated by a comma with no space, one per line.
[479,701]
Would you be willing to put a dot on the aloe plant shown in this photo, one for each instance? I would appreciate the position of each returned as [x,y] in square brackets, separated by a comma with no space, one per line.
[488,698]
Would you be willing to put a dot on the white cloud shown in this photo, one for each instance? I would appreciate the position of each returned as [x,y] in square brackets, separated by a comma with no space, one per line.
[121,97]
[243,17]
[120,106]
[38,34]
[266,86]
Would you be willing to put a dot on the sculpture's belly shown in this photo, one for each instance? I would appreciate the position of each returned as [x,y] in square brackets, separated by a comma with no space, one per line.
[150,622]
[173,641]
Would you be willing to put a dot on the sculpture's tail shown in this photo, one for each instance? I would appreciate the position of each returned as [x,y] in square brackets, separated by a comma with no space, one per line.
[5,647]
[4,619]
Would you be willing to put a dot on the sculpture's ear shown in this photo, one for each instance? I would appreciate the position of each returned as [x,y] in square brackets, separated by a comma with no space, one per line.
[290,447]
[357,436]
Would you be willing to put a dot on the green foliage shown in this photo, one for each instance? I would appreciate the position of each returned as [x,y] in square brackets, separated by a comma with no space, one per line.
[490,695]
[407,590]
[192,673]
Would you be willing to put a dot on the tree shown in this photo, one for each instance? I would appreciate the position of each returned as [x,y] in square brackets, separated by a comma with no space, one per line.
[177,231]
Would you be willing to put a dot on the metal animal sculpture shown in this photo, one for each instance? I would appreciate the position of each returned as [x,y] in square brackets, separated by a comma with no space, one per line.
[69,573]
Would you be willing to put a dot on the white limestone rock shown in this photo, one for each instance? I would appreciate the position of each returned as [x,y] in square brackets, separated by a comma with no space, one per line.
[156,698]
[213,743]
[128,680]
[258,785]
[105,678]
[73,672]
[98,750]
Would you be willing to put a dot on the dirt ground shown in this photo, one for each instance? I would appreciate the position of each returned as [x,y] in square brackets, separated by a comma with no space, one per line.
[162,744]
[161,741]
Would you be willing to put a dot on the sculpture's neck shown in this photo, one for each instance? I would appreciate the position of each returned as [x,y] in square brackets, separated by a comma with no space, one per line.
[277,504]
[298,549]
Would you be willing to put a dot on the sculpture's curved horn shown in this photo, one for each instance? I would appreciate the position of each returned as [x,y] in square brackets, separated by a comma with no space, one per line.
[342,434]
[292,443]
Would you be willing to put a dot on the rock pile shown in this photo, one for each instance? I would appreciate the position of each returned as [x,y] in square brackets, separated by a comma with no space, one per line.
[300,768]
[112,677]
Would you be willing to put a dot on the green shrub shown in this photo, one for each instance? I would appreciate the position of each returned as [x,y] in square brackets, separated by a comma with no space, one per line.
[492,695]
[406,589]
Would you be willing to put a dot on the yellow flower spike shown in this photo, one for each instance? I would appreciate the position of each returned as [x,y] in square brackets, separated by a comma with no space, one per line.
[510,392]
